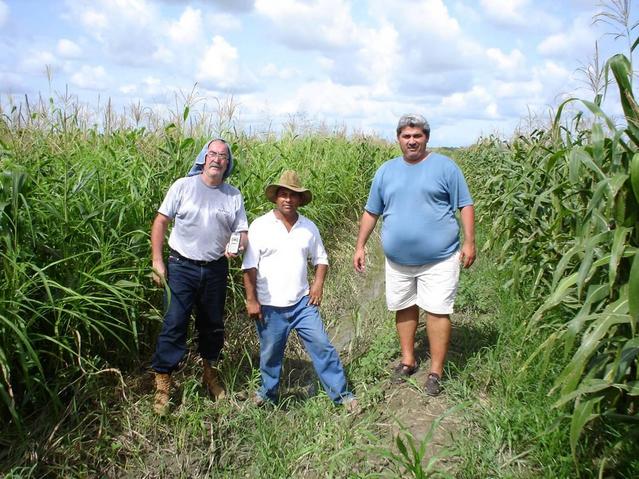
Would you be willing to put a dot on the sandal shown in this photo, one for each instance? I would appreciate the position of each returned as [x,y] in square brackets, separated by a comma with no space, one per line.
[433,385]
[402,371]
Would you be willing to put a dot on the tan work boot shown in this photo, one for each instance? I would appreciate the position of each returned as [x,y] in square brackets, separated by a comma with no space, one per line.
[211,381]
[162,392]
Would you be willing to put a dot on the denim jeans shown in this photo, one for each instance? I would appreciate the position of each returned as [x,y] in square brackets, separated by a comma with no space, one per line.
[273,332]
[190,285]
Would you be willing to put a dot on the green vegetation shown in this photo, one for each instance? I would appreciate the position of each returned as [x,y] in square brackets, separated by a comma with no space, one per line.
[543,371]
[563,210]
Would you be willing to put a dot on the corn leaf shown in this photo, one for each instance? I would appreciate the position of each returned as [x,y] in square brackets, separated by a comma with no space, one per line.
[634,175]
[633,290]
[581,416]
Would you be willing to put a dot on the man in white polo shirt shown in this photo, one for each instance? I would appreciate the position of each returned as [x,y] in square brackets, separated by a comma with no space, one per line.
[278,295]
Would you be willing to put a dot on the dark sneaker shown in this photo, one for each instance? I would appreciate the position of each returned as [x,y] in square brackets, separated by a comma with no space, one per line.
[402,371]
[433,385]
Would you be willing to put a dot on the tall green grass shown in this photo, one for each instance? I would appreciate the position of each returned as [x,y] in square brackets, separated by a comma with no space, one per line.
[76,204]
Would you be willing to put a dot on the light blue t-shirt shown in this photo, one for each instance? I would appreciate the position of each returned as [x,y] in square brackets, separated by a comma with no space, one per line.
[417,203]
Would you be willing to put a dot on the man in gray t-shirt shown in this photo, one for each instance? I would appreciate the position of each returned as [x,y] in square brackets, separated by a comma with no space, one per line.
[205,211]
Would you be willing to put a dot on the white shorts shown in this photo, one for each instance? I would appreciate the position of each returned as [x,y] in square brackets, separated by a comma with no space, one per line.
[431,286]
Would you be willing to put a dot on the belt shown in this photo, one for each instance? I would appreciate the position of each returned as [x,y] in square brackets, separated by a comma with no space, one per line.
[197,262]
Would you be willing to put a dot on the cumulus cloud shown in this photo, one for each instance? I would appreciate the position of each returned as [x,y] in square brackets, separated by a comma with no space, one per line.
[303,25]
[90,78]
[475,103]
[128,30]
[508,64]
[578,40]
[224,22]
[506,12]
[188,28]
[220,68]
[271,70]
[68,49]
[36,61]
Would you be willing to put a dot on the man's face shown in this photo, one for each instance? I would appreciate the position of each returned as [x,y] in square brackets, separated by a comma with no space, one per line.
[413,142]
[217,159]
[287,201]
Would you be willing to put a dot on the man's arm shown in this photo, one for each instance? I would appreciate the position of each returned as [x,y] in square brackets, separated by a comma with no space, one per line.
[468,250]
[366,227]
[158,231]
[253,307]
[317,288]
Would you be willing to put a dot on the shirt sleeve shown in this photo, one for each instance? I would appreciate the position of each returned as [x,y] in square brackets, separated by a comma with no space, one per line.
[251,258]
[241,222]
[171,203]
[375,202]
[458,189]
[317,252]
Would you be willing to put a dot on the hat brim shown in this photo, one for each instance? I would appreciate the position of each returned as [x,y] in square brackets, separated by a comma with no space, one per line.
[271,193]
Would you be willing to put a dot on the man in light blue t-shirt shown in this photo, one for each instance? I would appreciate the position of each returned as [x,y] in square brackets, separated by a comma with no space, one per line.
[417,195]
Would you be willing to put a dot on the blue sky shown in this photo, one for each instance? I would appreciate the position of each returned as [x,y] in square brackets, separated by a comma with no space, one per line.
[471,67]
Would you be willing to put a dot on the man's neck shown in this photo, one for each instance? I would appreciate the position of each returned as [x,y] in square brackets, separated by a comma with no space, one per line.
[414,162]
[288,219]
[211,180]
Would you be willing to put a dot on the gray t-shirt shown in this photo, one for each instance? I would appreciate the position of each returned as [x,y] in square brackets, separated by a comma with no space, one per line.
[204,217]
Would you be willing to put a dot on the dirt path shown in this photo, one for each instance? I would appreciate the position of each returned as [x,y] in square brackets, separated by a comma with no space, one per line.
[405,410]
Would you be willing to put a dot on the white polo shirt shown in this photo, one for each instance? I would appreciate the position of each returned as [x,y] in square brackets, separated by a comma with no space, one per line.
[281,258]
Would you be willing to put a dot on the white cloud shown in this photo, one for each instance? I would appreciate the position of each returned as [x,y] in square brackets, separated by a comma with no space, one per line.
[219,66]
[37,61]
[506,12]
[506,62]
[271,70]
[188,28]
[90,78]
[128,30]
[68,49]
[477,102]
[94,20]
[224,22]
[304,25]
[4,13]
[164,55]
[577,41]
[128,89]
[326,98]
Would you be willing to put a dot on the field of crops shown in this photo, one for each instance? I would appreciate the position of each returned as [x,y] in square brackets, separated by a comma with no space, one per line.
[76,208]
[558,208]
[562,206]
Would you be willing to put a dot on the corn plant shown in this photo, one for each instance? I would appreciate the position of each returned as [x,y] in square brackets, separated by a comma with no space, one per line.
[564,206]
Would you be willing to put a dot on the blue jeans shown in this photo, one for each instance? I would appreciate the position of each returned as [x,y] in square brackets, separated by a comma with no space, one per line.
[190,285]
[273,332]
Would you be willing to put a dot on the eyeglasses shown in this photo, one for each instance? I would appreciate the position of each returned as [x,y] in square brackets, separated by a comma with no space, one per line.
[219,156]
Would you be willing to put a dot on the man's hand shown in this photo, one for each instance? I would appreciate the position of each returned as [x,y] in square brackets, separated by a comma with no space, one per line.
[159,272]
[254,310]
[359,260]
[315,294]
[468,254]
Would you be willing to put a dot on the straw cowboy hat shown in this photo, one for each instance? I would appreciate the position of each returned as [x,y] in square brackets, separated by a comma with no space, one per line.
[290,180]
